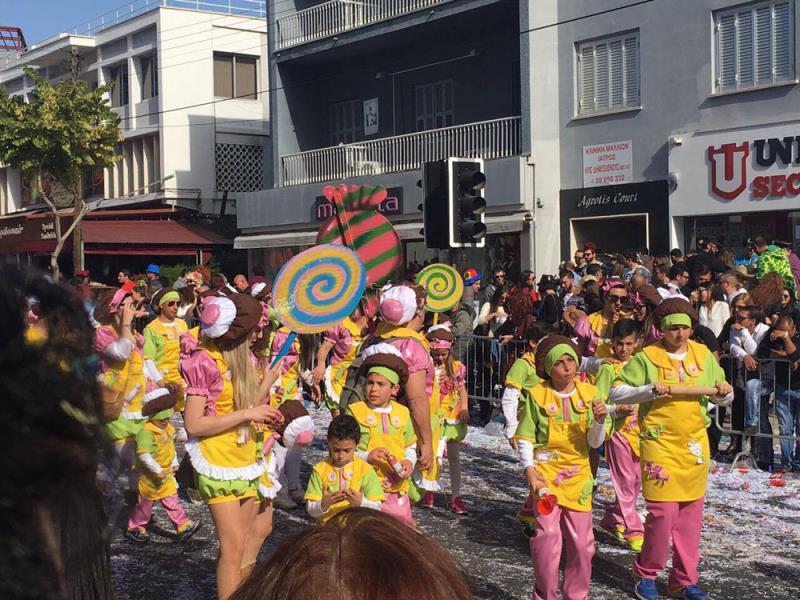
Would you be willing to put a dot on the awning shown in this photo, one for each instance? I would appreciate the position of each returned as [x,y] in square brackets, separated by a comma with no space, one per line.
[495,224]
[149,233]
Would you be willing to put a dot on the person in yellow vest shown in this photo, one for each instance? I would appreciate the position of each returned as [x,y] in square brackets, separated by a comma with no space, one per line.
[621,519]
[223,401]
[559,421]
[343,480]
[157,462]
[674,452]
[388,442]
[449,416]
[162,343]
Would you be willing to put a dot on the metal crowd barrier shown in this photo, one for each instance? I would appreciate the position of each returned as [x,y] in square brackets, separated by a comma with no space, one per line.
[487,361]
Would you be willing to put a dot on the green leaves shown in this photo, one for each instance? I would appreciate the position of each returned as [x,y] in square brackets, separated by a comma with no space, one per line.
[62,129]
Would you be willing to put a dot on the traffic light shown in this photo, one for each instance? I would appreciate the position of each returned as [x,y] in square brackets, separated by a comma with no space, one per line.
[434,204]
[466,205]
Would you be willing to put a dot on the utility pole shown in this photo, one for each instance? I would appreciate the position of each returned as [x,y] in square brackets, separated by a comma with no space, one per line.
[77,233]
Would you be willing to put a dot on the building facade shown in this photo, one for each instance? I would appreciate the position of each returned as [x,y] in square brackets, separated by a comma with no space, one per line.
[189,86]
[658,123]
[365,93]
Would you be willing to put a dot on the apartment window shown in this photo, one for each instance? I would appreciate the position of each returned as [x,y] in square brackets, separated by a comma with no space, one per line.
[149,71]
[235,76]
[434,105]
[345,122]
[608,74]
[119,76]
[93,180]
[754,46]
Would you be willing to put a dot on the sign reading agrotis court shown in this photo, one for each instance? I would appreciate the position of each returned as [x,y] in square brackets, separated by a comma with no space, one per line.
[737,171]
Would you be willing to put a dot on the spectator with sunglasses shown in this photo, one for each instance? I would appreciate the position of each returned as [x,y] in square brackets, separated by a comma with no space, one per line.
[616,297]
[498,280]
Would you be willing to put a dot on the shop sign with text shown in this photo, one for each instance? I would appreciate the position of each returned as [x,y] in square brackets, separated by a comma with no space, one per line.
[608,164]
[391,205]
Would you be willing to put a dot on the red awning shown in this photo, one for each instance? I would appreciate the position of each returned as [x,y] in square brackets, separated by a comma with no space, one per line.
[148,234]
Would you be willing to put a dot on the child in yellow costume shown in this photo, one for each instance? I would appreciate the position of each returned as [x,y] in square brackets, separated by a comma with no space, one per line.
[388,442]
[343,480]
[674,452]
[449,416]
[342,344]
[162,338]
[559,421]
[157,463]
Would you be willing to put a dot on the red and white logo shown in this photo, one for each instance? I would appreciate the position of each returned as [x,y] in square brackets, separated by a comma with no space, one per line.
[729,169]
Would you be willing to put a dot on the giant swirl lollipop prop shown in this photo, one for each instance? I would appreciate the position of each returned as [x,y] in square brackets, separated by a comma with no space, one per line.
[443,287]
[318,288]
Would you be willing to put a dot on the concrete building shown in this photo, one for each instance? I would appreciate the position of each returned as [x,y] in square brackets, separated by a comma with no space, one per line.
[367,92]
[189,87]
[655,123]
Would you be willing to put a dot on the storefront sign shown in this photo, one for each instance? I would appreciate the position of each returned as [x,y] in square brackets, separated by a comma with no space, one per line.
[606,164]
[392,205]
[737,171]
[18,233]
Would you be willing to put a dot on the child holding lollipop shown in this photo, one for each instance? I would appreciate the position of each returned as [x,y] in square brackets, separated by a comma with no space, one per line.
[674,452]
[559,421]
[388,442]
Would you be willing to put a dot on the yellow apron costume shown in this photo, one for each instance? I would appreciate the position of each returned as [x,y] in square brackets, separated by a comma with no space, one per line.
[557,427]
[128,378]
[227,467]
[357,475]
[289,380]
[336,375]
[674,451]
[162,345]
[160,445]
[453,430]
[627,426]
[429,480]
[392,431]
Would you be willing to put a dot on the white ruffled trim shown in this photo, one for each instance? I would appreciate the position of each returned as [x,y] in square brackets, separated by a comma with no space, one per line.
[132,416]
[381,348]
[202,466]
[153,394]
[426,484]
[453,422]
[269,492]
[445,326]
[329,387]
[304,423]
[442,446]
[257,288]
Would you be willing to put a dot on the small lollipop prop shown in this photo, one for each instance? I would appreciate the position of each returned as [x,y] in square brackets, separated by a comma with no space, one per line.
[317,289]
[444,288]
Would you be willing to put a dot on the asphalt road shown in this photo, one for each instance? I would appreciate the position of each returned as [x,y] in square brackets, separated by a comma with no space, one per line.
[750,547]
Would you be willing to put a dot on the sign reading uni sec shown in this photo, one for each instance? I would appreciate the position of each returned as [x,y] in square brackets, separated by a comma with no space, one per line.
[729,167]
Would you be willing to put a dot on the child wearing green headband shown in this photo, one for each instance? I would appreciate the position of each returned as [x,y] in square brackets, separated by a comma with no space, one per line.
[559,420]
[673,450]
[388,441]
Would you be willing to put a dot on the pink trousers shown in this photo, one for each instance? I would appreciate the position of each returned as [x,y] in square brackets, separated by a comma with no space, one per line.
[399,506]
[626,476]
[681,522]
[573,530]
[144,511]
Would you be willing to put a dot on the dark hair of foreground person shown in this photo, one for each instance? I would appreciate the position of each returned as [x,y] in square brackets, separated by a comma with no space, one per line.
[51,517]
[361,554]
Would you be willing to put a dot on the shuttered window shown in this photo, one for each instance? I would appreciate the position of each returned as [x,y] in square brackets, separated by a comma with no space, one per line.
[608,74]
[754,46]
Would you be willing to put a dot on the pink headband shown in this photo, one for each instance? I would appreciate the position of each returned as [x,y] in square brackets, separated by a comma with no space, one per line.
[119,296]
[439,344]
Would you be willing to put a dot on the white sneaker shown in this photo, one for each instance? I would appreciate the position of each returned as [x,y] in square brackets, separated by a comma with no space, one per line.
[180,435]
[283,501]
[298,495]
[195,497]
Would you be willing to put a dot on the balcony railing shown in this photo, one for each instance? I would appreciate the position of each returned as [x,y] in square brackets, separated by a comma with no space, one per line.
[498,138]
[338,16]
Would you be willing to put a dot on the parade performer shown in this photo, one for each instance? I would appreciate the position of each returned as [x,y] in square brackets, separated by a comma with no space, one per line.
[522,375]
[622,520]
[223,400]
[602,322]
[343,341]
[674,451]
[387,441]
[403,312]
[157,462]
[343,480]
[449,416]
[559,421]
[162,343]
[122,365]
